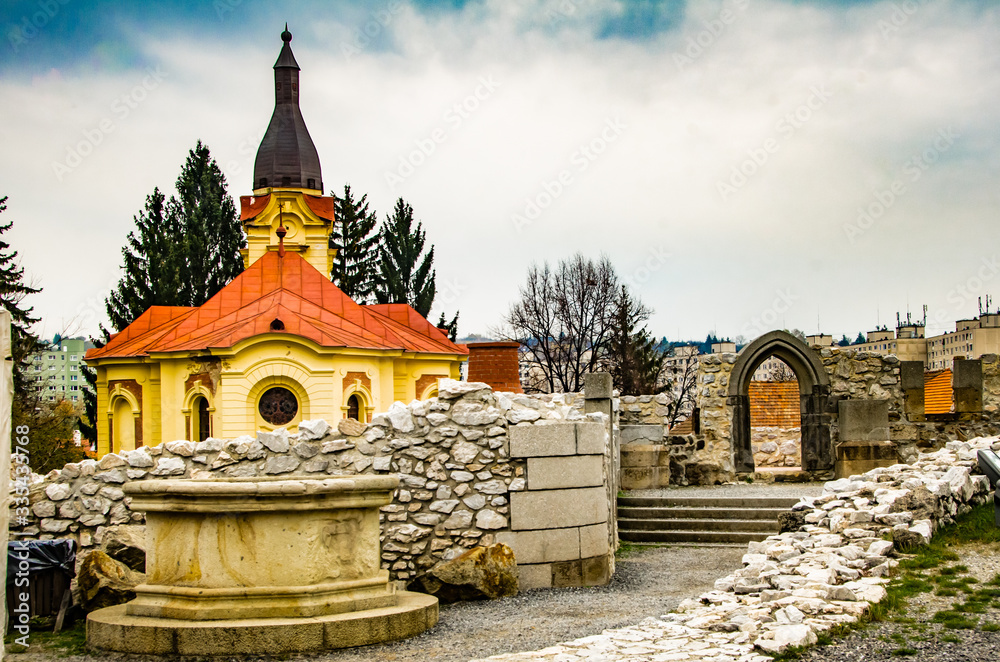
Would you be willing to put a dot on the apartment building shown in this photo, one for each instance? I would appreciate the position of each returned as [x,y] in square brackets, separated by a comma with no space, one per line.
[56,370]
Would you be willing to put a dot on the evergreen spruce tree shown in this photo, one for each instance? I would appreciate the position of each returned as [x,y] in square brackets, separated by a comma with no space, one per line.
[450,328]
[355,268]
[212,234]
[184,249]
[13,290]
[634,361]
[153,264]
[406,272]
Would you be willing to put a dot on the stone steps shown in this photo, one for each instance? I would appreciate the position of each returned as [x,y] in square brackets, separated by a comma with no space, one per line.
[699,519]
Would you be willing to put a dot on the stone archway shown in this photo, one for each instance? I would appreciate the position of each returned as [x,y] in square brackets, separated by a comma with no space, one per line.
[814,390]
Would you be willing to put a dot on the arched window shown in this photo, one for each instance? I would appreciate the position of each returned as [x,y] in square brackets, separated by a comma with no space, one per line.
[278,405]
[354,408]
[203,419]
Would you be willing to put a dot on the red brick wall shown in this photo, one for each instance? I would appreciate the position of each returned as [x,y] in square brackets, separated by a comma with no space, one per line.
[774,404]
[495,363]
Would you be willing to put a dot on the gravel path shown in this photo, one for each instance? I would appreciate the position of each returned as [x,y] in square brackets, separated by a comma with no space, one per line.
[649,582]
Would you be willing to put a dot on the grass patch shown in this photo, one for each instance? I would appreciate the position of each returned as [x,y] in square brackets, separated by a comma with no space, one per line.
[951,639]
[72,640]
[991,627]
[955,620]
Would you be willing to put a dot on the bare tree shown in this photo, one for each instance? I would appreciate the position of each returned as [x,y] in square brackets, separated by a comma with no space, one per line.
[563,321]
[679,378]
[781,372]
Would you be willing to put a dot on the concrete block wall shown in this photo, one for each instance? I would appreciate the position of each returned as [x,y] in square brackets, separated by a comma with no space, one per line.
[562,522]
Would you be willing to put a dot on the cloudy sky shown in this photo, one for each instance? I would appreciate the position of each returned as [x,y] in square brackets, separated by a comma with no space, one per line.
[745,164]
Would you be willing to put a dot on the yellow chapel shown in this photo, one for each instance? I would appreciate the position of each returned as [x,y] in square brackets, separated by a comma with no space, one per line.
[279,344]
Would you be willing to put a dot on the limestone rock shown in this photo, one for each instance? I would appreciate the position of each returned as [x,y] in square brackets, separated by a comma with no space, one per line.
[280,464]
[450,389]
[169,466]
[58,491]
[105,582]
[480,573]
[276,442]
[182,448]
[350,427]
[313,430]
[126,544]
[400,417]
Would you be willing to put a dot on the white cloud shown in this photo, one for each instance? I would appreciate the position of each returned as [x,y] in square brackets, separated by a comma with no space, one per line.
[654,187]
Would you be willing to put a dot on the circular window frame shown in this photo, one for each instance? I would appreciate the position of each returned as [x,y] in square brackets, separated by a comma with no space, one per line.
[275,393]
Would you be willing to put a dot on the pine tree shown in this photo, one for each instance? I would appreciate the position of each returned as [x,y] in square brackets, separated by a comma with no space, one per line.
[860,339]
[450,328]
[211,228]
[634,362]
[183,250]
[355,268]
[406,272]
[153,264]
[13,290]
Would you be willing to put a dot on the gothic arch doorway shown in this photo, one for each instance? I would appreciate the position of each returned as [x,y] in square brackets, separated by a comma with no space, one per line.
[814,392]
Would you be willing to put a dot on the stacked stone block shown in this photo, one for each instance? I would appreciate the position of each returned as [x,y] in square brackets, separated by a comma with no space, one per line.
[561,522]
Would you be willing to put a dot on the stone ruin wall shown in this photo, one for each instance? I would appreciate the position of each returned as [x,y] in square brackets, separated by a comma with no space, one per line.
[706,458]
[452,454]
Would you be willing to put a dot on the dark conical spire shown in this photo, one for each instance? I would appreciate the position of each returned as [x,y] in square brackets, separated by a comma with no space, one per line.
[287,156]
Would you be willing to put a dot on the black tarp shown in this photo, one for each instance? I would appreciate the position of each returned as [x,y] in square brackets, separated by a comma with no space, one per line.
[41,555]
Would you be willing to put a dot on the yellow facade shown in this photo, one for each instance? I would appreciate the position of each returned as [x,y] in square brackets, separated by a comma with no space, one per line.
[159,394]
[306,233]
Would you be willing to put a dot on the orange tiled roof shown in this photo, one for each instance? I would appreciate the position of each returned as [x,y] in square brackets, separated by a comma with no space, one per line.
[284,288]
[251,206]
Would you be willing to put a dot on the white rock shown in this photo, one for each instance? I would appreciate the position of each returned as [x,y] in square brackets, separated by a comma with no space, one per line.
[522,414]
[312,430]
[169,466]
[400,417]
[58,491]
[464,452]
[139,458]
[276,442]
[488,519]
[449,389]
[183,448]
[880,548]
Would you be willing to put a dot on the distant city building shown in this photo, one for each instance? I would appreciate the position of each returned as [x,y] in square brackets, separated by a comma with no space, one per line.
[970,340]
[56,370]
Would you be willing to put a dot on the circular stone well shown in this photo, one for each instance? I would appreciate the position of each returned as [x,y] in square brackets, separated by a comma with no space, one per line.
[261,566]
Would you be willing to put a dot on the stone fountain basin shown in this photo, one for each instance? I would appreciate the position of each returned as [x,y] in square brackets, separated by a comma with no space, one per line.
[269,559]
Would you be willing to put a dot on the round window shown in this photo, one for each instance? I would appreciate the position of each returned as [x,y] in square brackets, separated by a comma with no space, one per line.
[278,405]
